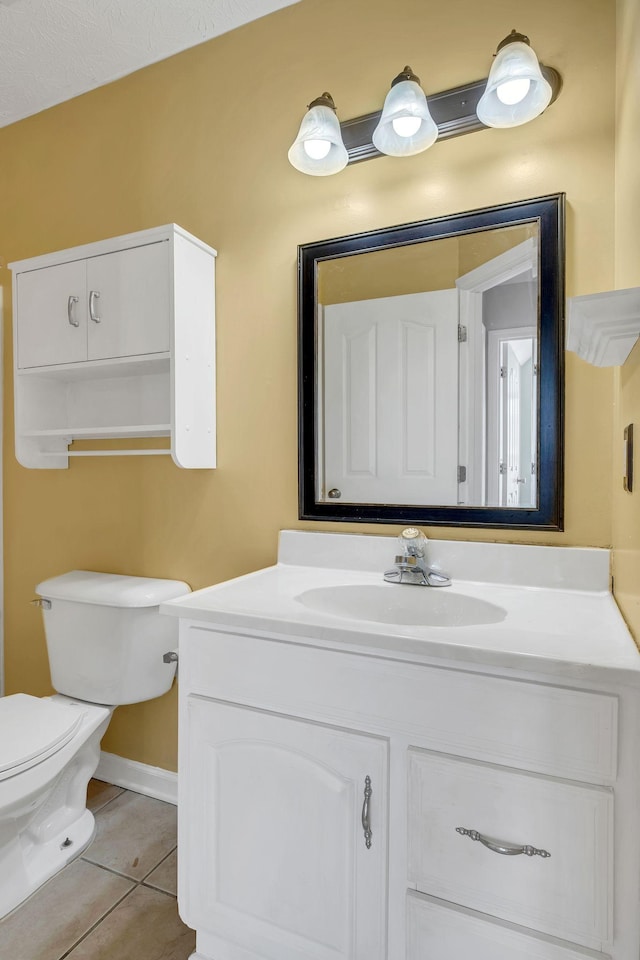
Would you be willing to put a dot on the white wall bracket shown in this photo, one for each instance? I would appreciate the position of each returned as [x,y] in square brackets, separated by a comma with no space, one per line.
[602,328]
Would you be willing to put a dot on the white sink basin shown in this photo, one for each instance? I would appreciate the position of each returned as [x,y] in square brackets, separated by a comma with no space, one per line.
[402,604]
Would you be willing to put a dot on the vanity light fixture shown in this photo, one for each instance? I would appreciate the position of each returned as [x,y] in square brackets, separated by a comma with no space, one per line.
[406,126]
[517,90]
[318,149]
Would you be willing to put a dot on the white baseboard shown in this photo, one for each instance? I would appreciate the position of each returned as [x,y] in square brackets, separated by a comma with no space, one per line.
[139,777]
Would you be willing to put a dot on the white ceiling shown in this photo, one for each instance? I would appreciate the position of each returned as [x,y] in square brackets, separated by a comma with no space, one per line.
[53,50]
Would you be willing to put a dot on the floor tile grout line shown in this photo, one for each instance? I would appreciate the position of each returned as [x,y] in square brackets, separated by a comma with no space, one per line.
[97,923]
[107,802]
[94,926]
[150,886]
[125,876]
[138,883]
[116,873]
[159,863]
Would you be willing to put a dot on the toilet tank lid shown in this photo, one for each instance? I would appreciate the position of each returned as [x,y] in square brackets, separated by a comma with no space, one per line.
[111,589]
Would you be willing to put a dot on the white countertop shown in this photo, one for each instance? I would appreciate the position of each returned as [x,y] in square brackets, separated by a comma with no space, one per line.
[567,632]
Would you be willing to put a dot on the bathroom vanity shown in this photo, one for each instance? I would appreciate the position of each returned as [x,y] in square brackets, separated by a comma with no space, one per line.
[371,771]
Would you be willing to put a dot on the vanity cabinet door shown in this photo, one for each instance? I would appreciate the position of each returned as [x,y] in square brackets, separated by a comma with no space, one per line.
[128,302]
[52,308]
[275,859]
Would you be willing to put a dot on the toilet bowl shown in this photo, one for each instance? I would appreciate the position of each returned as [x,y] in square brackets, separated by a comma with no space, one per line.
[105,641]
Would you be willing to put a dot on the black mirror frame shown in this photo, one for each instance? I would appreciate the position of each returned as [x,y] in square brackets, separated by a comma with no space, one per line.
[548,212]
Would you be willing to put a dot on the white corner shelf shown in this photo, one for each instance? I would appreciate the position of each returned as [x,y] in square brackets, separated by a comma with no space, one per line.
[602,328]
[116,340]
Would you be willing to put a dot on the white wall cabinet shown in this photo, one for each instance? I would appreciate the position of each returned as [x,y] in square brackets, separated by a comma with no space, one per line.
[116,339]
[275,740]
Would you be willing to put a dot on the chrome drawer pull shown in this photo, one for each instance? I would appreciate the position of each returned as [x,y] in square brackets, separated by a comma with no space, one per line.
[507,849]
[366,817]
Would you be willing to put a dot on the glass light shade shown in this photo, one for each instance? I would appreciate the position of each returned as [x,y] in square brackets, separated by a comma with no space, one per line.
[405,101]
[516,91]
[318,149]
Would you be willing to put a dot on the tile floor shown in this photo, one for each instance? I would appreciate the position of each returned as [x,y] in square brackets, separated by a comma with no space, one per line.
[115,902]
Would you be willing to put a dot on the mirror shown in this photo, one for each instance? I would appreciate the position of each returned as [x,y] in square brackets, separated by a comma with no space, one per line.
[431,371]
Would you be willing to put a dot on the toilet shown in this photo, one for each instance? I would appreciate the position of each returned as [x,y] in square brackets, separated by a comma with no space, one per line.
[106,641]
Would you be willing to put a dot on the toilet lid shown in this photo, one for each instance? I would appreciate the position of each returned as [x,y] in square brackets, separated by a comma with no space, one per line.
[32,728]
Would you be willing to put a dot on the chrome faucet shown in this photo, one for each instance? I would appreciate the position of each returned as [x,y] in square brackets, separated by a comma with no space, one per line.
[411,565]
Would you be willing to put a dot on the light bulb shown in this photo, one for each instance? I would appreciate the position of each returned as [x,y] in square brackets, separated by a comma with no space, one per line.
[406,126]
[513,91]
[317,149]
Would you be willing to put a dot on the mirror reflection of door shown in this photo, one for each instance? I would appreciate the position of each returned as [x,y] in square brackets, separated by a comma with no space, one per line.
[390,397]
[512,417]
[411,407]
[509,312]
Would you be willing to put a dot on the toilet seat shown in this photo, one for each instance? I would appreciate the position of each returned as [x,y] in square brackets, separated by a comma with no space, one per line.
[33,728]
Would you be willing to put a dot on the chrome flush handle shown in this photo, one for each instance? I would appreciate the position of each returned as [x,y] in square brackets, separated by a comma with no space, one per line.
[506,849]
[74,322]
[93,296]
[366,815]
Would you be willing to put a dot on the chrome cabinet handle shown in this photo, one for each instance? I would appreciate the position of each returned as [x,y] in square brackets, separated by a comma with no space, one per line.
[366,816]
[507,849]
[93,296]
[72,320]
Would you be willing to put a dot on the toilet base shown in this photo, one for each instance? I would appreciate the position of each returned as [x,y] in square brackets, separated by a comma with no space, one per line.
[44,821]
[44,861]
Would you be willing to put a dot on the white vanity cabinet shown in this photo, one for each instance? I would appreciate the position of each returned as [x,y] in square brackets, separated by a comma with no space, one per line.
[276,740]
[502,759]
[116,339]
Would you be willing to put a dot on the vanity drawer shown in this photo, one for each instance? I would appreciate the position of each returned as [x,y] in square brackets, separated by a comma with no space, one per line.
[442,932]
[568,894]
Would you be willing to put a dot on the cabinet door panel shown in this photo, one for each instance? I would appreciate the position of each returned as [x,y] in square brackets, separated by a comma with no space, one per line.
[45,333]
[133,302]
[275,850]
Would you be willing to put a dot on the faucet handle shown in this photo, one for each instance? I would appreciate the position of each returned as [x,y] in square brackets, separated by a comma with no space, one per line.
[413,542]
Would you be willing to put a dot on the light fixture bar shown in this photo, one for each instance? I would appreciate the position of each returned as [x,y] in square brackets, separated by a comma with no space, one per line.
[454,112]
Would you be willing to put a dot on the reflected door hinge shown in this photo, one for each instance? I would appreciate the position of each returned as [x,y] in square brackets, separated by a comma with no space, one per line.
[462,334]
[503,372]
[462,474]
[502,469]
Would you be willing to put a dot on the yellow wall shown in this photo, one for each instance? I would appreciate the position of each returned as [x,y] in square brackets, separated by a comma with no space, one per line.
[626,509]
[201,139]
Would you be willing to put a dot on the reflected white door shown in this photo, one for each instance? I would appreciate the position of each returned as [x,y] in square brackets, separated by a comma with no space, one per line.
[510,427]
[391,399]
[511,417]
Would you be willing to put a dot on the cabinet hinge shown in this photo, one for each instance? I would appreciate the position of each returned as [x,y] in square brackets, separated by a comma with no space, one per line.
[503,372]
[462,474]
[462,334]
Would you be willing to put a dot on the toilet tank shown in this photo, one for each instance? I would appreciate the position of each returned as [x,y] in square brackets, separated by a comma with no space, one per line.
[105,636]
